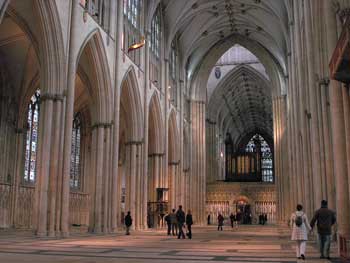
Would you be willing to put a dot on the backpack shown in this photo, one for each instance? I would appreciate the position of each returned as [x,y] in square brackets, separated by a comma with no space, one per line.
[299,220]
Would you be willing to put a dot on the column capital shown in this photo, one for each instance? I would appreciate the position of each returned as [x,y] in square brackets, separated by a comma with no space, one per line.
[156,154]
[54,97]
[197,101]
[134,142]
[19,130]
[344,14]
[211,122]
[324,81]
[101,125]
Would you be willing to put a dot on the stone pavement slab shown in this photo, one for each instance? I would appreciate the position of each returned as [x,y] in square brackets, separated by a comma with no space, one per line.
[248,244]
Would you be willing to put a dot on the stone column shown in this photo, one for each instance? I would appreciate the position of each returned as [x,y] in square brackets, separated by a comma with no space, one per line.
[330,187]
[131,177]
[197,177]
[106,178]
[346,105]
[43,164]
[139,186]
[171,176]
[302,132]
[68,122]
[315,136]
[166,124]
[54,165]
[276,155]
[338,132]
[145,167]
[115,206]
[99,177]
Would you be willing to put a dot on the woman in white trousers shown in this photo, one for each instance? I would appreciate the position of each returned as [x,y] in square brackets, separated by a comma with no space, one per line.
[300,228]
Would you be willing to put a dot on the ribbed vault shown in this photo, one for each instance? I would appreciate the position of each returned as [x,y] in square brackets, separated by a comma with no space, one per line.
[201,24]
[241,104]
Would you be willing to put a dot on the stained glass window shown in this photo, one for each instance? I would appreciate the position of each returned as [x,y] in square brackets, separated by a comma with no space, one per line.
[172,74]
[155,34]
[132,10]
[266,156]
[32,138]
[75,179]
[172,62]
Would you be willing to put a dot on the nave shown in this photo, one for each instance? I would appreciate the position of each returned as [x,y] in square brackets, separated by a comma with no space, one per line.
[249,244]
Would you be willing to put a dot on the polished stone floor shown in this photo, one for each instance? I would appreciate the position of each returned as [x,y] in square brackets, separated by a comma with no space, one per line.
[247,244]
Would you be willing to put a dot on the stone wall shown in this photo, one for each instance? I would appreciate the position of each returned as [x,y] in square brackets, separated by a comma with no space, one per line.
[223,196]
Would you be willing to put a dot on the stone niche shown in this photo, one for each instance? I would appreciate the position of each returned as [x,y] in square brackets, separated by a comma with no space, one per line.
[225,197]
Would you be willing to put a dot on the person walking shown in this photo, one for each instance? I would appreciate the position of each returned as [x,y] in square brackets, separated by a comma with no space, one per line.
[300,226]
[128,223]
[168,222]
[220,222]
[180,217]
[325,219]
[208,219]
[232,219]
[173,222]
[189,223]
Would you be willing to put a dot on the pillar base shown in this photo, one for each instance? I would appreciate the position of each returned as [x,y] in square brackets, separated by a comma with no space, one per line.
[41,234]
[65,234]
[52,234]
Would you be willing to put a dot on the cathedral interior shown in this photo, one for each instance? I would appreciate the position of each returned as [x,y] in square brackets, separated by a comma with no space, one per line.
[221,106]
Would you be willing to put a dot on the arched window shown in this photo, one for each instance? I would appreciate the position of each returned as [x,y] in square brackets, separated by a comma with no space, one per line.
[32,138]
[173,92]
[132,28]
[75,179]
[155,34]
[132,10]
[257,141]
[155,47]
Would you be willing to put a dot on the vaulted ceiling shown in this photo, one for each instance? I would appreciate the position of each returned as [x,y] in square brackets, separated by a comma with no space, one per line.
[241,102]
[202,24]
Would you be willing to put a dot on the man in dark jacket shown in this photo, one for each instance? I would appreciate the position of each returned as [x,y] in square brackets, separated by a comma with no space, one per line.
[325,218]
[180,217]
[220,222]
[128,223]
[189,223]
[168,222]
[173,222]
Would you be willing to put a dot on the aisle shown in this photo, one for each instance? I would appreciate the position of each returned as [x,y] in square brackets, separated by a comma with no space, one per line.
[247,244]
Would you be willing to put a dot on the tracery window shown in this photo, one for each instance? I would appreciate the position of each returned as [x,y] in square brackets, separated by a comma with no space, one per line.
[266,156]
[173,61]
[155,34]
[155,47]
[31,147]
[173,74]
[132,27]
[75,178]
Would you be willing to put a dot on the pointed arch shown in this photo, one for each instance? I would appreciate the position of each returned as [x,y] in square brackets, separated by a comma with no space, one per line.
[131,107]
[93,51]
[156,126]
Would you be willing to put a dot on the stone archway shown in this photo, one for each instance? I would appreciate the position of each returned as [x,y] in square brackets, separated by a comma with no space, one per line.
[157,183]
[92,68]
[34,32]
[130,179]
